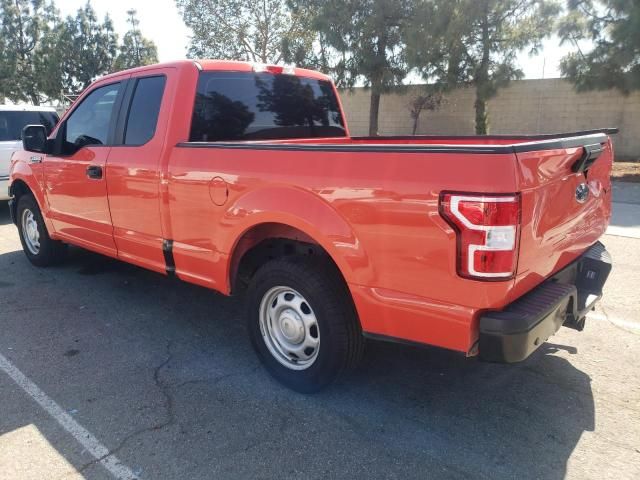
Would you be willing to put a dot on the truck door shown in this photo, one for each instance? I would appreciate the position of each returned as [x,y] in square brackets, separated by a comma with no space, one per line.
[74,176]
[133,170]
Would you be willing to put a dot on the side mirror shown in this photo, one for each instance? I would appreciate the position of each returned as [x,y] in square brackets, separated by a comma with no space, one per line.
[34,139]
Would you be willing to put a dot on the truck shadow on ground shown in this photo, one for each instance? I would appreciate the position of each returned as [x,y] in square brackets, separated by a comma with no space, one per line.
[184,396]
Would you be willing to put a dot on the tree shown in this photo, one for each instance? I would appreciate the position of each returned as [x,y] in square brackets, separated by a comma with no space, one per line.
[49,63]
[85,50]
[7,68]
[477,42]
[26,30]
[264,31]
[135,50]
[428,101]
[613,28]
[367,38]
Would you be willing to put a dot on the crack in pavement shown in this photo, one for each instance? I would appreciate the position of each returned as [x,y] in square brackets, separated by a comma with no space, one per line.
[170,415]
[624,325]
[164,388]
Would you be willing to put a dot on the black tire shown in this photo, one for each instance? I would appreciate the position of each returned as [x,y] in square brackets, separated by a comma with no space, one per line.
[319,283]
[50,252]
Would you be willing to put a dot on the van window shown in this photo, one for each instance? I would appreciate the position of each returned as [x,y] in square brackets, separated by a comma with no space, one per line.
[233,106]
[12,122]
[145,107]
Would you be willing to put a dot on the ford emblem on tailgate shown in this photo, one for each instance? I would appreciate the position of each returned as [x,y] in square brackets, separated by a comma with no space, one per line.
[582,193]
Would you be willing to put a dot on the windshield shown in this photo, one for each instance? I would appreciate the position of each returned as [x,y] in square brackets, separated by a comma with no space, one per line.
[12,123]
[262,106]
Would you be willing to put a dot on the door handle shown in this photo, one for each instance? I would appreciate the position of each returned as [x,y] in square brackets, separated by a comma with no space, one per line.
[94,171]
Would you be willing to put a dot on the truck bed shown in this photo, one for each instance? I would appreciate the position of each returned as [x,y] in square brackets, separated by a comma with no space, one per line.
[387,189]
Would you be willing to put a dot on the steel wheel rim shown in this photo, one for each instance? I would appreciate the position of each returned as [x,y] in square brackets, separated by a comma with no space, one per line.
[289,328]
[30,232]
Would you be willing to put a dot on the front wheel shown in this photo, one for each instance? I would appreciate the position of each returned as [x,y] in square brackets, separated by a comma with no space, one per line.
[302,322]
[39,248]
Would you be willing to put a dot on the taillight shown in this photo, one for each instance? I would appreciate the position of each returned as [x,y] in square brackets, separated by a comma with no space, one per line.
[488,230]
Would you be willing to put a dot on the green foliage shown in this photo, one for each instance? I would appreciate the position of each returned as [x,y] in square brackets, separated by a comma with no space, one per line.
[86,49]
[135,50]
[27,29]
[264,31]
[7,67]
[365,38]
[613,28]
[44,56]
[366,35]
[476,42]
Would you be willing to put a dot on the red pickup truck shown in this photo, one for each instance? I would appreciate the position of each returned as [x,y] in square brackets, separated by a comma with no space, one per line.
[243,178]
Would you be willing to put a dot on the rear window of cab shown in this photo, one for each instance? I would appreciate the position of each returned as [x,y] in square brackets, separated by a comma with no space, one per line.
[234,106]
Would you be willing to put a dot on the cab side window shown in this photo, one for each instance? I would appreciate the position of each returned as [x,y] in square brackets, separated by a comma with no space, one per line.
[89,123]
[144,110]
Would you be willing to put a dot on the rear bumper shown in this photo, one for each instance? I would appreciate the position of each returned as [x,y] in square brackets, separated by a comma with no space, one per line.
[515,332]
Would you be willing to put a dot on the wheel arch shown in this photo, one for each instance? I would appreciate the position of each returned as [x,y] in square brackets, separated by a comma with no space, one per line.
[297,216]
[17,189]
[24,183]
[265,241]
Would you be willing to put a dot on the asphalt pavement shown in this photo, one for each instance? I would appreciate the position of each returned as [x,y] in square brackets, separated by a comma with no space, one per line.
[625,220]
[109,371]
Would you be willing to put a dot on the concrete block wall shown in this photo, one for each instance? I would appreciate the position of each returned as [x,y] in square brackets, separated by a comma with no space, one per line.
[525,107]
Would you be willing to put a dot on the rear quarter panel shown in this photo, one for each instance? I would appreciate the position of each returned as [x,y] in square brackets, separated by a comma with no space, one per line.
[375,213]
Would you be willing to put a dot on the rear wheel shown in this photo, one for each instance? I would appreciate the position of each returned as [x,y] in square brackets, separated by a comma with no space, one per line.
[302,322]
[39,248]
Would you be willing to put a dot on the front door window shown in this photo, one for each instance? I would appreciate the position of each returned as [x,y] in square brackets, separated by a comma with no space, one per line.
[89,122]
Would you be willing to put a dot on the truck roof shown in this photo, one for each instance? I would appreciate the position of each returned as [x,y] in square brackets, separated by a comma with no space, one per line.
[25,108]
[220,65]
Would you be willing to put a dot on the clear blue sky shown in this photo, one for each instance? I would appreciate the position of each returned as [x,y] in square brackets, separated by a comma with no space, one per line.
[161,22]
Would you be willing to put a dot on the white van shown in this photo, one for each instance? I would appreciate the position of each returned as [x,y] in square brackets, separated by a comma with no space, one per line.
[13,119]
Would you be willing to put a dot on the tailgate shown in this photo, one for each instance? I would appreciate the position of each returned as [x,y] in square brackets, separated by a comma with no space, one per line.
[566,203]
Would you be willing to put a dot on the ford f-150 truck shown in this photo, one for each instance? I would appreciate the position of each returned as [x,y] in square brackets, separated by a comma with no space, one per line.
[243,178]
